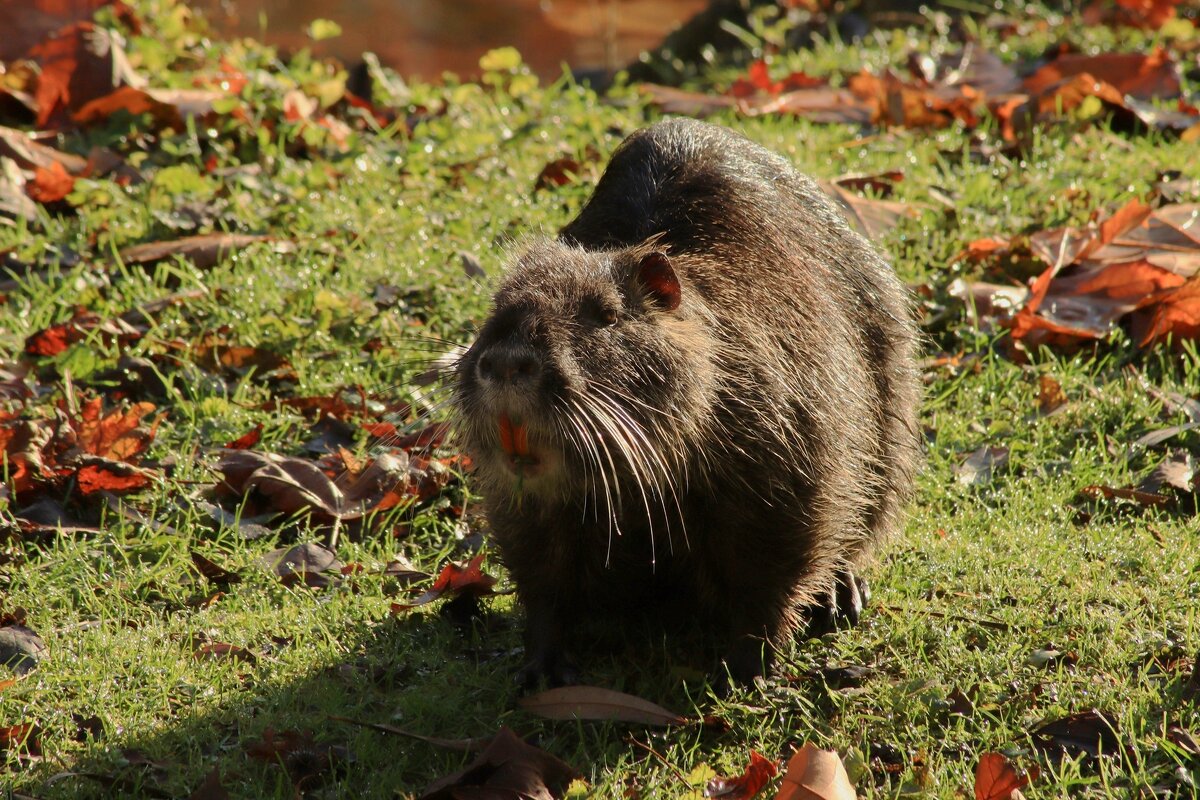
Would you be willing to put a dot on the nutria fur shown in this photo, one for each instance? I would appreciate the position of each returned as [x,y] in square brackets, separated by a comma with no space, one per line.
[697,404]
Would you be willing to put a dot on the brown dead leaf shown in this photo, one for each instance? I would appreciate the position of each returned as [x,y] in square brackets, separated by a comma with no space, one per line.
[29,154]
[996,779]
[456,581]
[308,564]
[55,339]
[216,354]
[78,62]
[24,736]
[1051,396]
[1149,499]
[213,572]
[1090,733]
[1138,265]
[402,571]
[50,184]
[507,768]
[1176,314]
[758,81]
[116,477]
[308,763]
[1182,738]
[978,468]
[1176,471]
[758,773]
[294,485]
[596,703]
[21,649]
[204,251]
[117,435]
[815,774]
[211,789]
[894,101]
[132,101]
[558,172]
[1144,76]
[818,103]
[872,217]
[1145,14]
[246,440]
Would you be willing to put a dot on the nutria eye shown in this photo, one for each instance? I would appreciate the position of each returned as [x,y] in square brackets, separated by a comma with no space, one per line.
[597,313]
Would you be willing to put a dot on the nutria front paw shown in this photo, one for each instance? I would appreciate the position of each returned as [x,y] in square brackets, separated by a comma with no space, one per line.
[748,659]
[549,669]
[842,606]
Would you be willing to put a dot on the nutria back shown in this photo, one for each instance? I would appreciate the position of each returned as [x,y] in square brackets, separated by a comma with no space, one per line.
[697,403]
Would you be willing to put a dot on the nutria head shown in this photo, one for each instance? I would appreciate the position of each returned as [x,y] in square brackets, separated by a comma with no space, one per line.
[592,372]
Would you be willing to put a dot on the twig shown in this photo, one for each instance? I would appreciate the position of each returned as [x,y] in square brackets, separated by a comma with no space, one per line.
[461,745]
[678,772]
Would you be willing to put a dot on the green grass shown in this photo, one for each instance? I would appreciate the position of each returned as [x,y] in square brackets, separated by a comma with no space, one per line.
[981,578]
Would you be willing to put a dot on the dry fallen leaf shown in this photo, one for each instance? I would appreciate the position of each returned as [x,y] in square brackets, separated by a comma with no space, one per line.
[981,465]
[211,789]
[308,564]
[203,251]
[1091,733]
[758,772]
[872,217]
[456,581]
[996,779]
[306,761]
[507,768]
[1051,396]
[50,184]
[246,440]
[815,774]
[1144,76]
[596,703]
[21,649]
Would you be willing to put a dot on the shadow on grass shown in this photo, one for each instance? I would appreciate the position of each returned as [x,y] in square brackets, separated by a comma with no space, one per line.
[425,673]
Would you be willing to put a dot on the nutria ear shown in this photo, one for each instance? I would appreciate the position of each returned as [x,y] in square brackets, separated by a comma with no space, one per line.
[657,276]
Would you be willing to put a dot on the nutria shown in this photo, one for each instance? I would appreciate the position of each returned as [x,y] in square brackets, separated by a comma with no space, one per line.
[697,404]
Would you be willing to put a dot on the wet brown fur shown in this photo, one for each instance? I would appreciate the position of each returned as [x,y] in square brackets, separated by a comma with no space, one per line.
[779,399]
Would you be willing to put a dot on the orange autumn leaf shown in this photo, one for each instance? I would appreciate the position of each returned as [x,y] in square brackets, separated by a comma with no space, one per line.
[745,786]
[815,774]
[1177,314]
[1134,279]
[53,340]
[246,440]
[455,580]
[114,435]
[50,184]
[1142,75]
[1152,14]
[110,477]
[75,68]
[995,778]
[131,100]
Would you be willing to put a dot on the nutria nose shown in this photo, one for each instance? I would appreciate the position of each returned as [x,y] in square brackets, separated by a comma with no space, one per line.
[508,365]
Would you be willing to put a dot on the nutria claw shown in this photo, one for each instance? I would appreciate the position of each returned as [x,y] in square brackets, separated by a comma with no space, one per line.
[842,606]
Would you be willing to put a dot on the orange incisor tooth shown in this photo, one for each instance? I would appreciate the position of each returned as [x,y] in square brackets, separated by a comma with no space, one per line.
[514,437]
